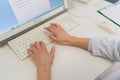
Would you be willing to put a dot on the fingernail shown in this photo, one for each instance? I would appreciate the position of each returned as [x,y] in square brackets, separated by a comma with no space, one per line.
[28,50]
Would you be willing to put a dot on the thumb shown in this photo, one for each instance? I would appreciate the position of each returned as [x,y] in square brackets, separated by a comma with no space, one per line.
[52,37]
[52,52]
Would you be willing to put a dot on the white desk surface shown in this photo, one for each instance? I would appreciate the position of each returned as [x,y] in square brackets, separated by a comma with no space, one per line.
[70,63]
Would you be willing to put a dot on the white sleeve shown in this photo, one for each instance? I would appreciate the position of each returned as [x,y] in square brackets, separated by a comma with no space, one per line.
[108,47]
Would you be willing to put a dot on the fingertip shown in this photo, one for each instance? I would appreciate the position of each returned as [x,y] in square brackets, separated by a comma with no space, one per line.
[53,50]
[46,28]
[42,44]
[53,47]
[31,45]
[35,43]
[50,36]
[53,23]
[29,52]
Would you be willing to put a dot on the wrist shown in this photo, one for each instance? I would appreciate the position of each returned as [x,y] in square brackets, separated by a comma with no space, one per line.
[43,69]
[79,42]
[71,40]
[44,73]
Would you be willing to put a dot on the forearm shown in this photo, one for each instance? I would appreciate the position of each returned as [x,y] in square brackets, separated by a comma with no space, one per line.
[43,74]
[79,42]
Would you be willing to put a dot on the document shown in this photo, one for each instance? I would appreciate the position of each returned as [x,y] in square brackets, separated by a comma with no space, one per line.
[112,73]
[112,12]
[25,10]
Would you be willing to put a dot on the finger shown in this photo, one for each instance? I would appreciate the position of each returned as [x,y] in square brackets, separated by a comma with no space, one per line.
[52,52]
[53,26]
[52,37]
[56,25]
[44,49]
[50,29]
[33,48]
[42,44]
[47,27]
[29,52]
[37,45]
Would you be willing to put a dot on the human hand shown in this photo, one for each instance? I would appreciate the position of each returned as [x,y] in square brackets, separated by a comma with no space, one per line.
[58,34]
[41,56]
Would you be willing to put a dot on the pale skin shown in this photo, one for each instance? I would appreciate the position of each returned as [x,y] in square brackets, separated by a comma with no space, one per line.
[43,59]
[60,36]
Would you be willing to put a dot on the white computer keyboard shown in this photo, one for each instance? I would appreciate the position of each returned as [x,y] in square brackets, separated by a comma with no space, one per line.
[20,44]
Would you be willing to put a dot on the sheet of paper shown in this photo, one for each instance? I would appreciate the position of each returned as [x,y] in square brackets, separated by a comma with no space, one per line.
[112,12]
[112,73]
[25,10]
